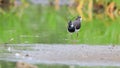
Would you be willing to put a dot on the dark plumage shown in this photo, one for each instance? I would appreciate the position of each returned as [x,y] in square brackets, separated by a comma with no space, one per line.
[71,28]
[75,25]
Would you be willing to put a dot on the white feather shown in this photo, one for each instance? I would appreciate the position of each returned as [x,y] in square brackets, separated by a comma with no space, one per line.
[72,25]
[80,19]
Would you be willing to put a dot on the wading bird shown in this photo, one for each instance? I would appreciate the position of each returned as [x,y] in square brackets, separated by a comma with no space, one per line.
[74,26]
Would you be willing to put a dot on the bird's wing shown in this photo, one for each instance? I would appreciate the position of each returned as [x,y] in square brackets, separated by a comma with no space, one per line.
[76,22]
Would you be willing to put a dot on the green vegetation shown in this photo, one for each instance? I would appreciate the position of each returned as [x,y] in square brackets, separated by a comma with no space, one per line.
[38,24]
[8,64]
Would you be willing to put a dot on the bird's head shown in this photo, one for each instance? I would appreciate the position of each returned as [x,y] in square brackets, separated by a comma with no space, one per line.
[79,18]
[70,24]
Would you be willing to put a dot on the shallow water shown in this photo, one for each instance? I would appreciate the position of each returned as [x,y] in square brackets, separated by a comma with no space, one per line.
[58,56]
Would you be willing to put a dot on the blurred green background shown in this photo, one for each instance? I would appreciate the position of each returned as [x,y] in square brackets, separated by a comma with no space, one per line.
[28,22]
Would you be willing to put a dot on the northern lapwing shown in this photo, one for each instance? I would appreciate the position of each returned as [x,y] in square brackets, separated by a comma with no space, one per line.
[74,26]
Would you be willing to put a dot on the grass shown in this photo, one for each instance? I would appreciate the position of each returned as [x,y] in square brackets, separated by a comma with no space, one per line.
[46,25]
[8,64]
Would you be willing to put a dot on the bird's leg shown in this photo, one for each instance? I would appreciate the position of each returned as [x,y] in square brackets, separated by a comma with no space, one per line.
[77,34]
[71,35]
[72,41]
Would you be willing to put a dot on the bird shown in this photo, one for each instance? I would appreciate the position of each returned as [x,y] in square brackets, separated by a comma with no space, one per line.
[74,26]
